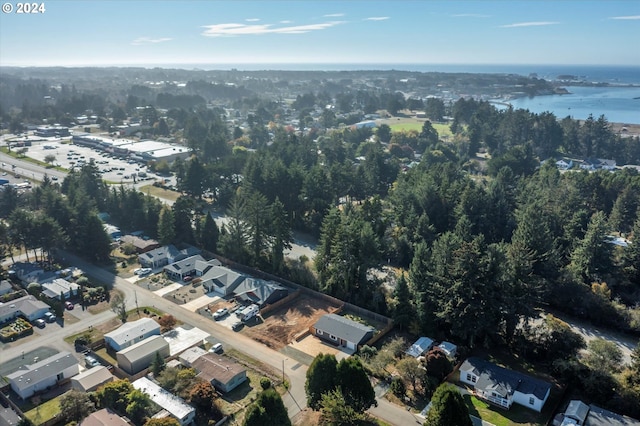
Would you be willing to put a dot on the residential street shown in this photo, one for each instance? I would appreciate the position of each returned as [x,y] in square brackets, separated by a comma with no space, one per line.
[294,400]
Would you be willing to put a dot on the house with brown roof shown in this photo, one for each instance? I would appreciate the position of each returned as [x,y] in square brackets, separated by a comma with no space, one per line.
[221,371]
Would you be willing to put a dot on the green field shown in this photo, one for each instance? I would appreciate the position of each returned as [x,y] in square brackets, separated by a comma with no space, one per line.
[44,412]
[442,129]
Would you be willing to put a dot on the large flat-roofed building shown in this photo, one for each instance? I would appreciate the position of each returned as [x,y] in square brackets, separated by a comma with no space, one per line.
[146,150]
[173,404]
[52,131]
[137,357]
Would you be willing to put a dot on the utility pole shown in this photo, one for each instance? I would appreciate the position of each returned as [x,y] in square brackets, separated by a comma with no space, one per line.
[135,293]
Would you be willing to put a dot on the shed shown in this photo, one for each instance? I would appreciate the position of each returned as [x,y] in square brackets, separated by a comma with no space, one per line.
[422,345]
[91,379]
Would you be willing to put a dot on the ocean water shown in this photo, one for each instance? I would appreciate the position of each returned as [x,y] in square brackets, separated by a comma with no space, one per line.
[617,104]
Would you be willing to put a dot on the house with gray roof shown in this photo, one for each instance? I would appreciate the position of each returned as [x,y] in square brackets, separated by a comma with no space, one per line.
[139,356]
[182,268]
[578,413]
[140,244]
[247,290]
[165,255]
[222,280]
[342,331]
[27,272]
[132,332]
[43,374]
[26,306]
[259,292]
[503,387]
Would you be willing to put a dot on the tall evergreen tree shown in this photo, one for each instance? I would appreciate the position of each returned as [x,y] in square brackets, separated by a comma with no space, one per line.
[166,227]
[447,408]
[355,384]
[403,314]
[321,378]
[210,234]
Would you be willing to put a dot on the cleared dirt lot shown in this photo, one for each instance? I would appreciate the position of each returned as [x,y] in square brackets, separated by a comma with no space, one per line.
[281,326]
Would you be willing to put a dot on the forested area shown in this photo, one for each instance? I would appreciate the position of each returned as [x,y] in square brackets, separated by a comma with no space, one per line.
[480,242]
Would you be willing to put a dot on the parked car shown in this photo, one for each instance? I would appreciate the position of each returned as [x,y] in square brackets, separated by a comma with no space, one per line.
[187,278]
[217,348]
[40,323]
[143,271]
[68,305]
[237,325]
[220,313]
[90,361]
[50,317]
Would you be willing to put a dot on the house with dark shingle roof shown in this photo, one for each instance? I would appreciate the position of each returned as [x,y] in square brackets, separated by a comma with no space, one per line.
[503,387]
[342,331]
[165,255]
[181,268]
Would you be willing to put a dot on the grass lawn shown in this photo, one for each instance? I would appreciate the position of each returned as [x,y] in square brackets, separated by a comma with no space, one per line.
[443,129]
[159,192]
[517,415]
[44,412]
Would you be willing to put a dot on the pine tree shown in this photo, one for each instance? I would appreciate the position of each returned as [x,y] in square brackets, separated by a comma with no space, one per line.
[403,313]
[321,378]
[166,227]
[448,408]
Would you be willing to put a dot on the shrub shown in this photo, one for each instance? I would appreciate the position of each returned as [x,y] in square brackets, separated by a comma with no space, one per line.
[265,383]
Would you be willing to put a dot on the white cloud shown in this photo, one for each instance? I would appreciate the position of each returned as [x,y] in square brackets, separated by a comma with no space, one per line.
[148,40]
[626,18]
[252,20]
[333,15]
[377,18]
[231,29]
[529,24]
[471,15]
[286,22]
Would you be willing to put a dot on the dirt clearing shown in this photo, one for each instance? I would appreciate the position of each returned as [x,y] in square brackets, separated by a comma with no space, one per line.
[281,326]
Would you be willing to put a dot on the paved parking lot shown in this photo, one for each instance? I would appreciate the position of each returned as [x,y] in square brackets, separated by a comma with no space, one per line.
[69,156]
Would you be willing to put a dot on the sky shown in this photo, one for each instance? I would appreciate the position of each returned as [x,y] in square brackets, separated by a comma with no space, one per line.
[233,33]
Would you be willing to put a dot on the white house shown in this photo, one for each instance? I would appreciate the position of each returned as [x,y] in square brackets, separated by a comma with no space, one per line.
[563,164]
[43,374]
[503,387]
[421,346]
[27,306]
[173,404]
[131,332]
[58,288]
